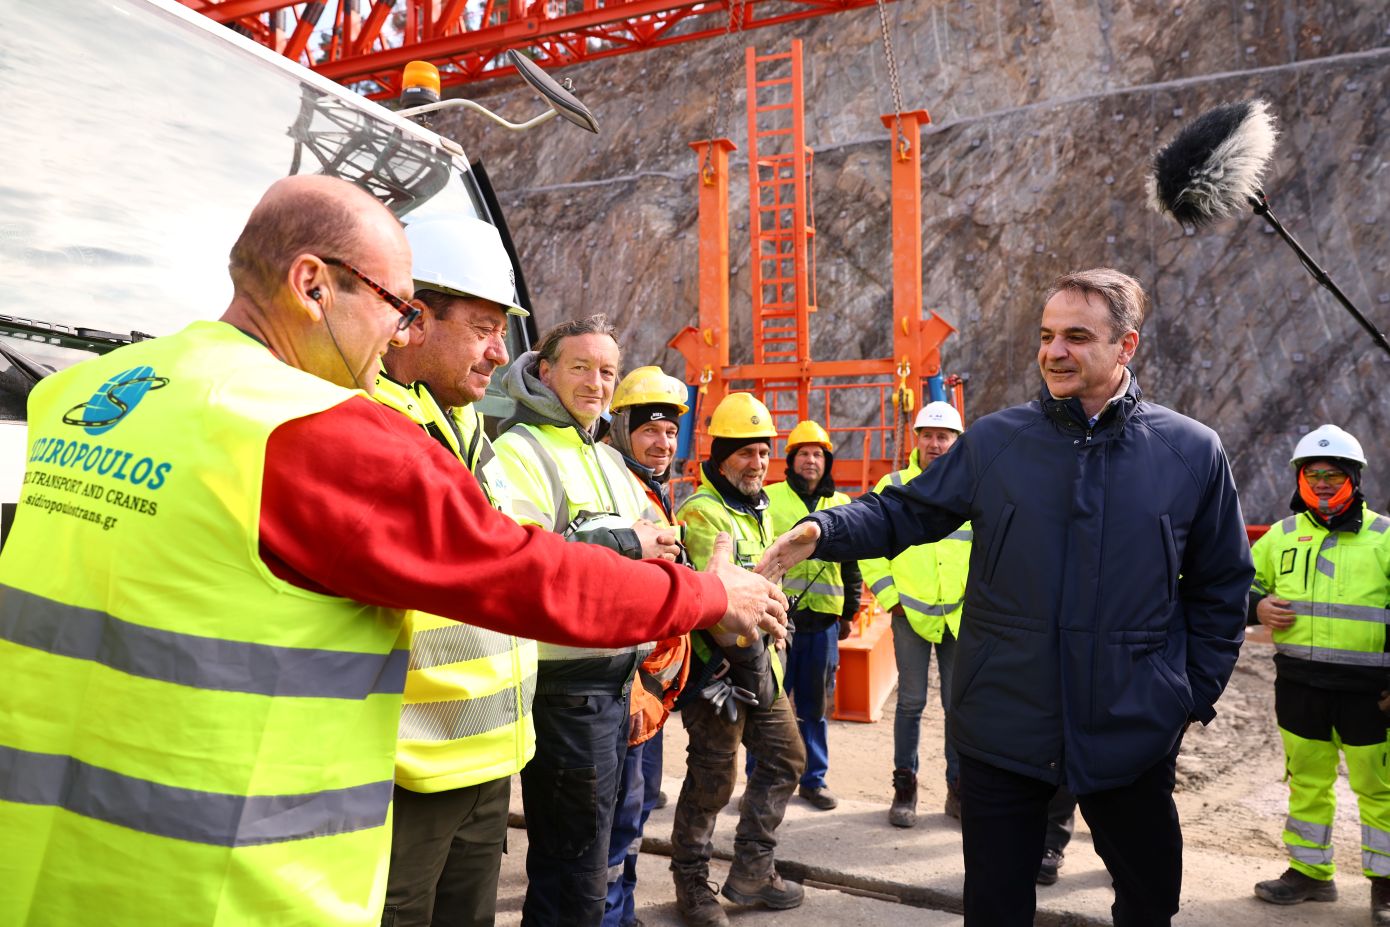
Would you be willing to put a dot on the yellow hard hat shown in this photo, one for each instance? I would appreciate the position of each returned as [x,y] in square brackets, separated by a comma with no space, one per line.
[647,386]
[808,432]
[741,415]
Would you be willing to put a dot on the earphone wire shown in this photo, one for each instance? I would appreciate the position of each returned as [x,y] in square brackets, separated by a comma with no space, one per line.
[341,356]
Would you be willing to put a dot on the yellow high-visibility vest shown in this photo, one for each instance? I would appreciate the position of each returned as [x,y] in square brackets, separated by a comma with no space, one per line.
[187,738]
[1338,584]
[819,583]
[466,717]
[550,474]
[928,580]
[705,514]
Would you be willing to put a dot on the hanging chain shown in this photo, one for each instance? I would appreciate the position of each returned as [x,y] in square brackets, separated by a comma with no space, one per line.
[736,10]
[903,146]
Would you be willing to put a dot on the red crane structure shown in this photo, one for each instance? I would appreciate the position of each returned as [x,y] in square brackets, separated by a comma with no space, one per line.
[366,43]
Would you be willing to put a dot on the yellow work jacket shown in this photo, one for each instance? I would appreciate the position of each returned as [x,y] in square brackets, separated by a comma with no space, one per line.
[551,474]
[704,515]
[1338,584]
[466,718]
[928,580]
[819,583]
[186,739]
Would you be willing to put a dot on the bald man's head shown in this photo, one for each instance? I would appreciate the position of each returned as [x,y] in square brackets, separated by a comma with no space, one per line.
[308,214]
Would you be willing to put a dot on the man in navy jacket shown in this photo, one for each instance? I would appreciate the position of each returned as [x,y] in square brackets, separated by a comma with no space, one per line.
[1104,611]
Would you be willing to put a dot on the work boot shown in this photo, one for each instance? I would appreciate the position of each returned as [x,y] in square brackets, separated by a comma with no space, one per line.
[952,808]
[1380,901]
[1294,887]
[770,891]
[1047,869]
[696,902]
[903,812]
[821,798]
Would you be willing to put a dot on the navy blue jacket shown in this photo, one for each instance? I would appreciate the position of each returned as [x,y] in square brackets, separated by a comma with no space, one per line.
[1108,581]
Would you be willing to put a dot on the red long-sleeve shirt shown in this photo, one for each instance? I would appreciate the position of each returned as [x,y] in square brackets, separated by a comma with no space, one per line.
[360,503]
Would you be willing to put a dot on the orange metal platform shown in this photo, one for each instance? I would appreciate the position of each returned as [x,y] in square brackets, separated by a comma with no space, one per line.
[868,670]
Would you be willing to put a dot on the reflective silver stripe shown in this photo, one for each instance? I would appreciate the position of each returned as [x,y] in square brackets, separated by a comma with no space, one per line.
[454,644]
[918,605]
[1375,862]
[522,507]
[558,497]
[1312,856]
[465,717]
[895,478]
[1289,524]
[960,536]
[1328,655]
[1325,566]
[885,582]
[187,814]
[1337,610]
[797,584]
[1380,524]
[1321,834]
[189,660]
[1259,587]
[1375,839]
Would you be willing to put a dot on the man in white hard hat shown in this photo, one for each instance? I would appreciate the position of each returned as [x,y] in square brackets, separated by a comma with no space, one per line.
[466,722]
[923,588]
[1322,585]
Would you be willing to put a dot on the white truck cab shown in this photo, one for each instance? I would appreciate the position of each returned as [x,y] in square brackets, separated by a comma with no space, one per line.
[139,137]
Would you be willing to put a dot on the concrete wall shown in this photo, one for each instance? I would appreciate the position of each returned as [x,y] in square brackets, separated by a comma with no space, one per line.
[1045,116]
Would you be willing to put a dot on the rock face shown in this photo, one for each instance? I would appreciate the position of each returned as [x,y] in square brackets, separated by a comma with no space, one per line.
[1046,114]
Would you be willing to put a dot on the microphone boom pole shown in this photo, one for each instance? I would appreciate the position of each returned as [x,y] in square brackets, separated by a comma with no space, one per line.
[1213,167]
[1261,206]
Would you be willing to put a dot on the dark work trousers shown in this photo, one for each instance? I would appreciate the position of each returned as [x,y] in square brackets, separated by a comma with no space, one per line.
[446,855]
[625,841]
[1061,820]
[710,772]
[1135,829]
[812,660]
[568,790]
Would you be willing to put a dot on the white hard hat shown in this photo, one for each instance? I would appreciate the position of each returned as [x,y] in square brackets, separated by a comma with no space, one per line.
[939,415]
[463,257]
[1328,442]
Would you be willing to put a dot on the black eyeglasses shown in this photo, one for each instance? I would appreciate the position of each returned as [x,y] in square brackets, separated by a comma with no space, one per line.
[408,312]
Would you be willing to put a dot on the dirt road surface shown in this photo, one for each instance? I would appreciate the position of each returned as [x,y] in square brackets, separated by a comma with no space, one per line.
[1230,795]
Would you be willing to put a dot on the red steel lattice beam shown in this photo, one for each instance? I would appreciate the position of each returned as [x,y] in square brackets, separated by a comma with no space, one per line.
[368,42]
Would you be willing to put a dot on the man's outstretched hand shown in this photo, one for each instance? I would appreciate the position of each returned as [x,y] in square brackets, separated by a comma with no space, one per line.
[755,604]
[789,550]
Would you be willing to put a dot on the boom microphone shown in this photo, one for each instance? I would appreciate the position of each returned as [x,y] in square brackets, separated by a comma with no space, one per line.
[1214,167]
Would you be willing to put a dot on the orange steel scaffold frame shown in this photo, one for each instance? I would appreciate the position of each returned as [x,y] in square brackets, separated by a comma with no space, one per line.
[782,236]
[367,42]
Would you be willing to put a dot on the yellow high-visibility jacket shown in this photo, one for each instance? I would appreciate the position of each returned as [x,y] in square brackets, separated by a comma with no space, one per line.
[466,717]
[187,738]
[928,580]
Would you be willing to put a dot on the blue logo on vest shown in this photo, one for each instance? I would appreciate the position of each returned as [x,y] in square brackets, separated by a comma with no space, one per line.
[116,399]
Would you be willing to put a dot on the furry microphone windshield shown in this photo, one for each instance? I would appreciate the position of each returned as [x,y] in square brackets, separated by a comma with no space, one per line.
[1214,166]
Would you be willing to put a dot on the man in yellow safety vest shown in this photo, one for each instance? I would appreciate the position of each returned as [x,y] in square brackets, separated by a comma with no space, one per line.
[735,690]
[824,597]
[466,720]
[1322,586]
[923,588]
[562,478]
[202,598]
